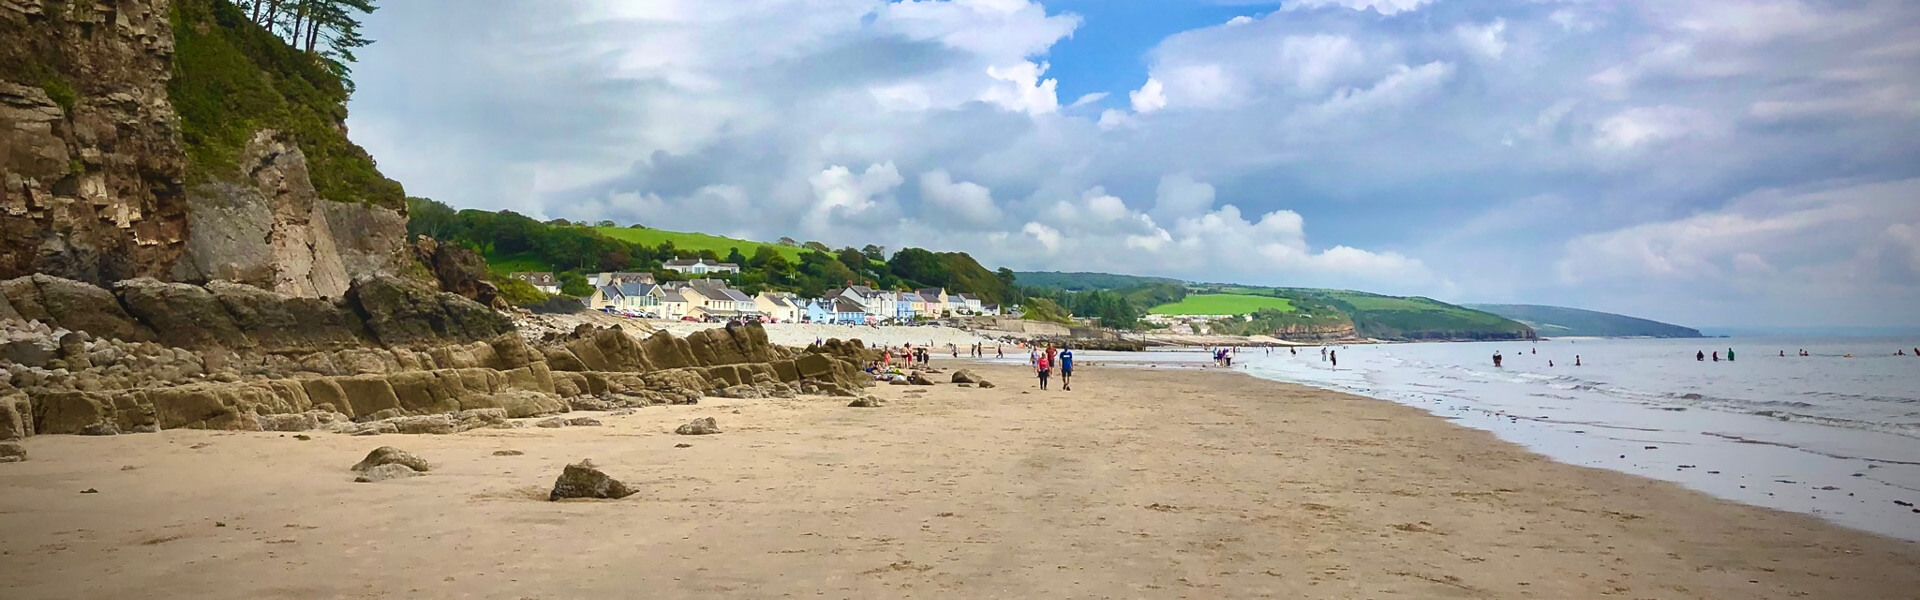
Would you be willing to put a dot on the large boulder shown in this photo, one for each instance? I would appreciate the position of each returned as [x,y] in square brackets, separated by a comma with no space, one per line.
[584,480]
[402,313]
[700,426]
[389,455]
[459,270]
[966,376]
[182,315]
[279,323]
[16,413]
[73,305]
[12,452]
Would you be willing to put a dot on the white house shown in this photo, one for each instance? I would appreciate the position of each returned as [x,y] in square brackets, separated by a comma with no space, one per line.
[541,280]
[700,266]
[712,297]
[626,296]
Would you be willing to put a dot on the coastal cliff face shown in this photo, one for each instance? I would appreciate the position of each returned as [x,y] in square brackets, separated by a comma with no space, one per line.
[90,151]
[1316,333]
[103,184]
[269,228]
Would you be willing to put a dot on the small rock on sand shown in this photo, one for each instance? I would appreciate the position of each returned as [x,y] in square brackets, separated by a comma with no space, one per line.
[507,453]
[584,480]
[865,402]
[984,383]
[700,426]
[385,472]
[966,376]
[389,455]
[583,422]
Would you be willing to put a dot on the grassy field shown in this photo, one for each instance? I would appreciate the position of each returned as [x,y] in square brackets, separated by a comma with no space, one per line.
[693,241]
[1222,304]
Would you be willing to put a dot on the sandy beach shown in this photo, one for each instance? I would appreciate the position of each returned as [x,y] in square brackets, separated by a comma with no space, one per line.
[1140,483]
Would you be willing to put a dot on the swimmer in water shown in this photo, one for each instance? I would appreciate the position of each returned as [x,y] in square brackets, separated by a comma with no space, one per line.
[1576,360]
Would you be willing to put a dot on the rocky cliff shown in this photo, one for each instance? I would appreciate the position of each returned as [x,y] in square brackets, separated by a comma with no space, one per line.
[105,181]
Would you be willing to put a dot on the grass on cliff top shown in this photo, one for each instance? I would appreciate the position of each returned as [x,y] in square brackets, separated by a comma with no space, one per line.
[1222,304]
[518,263]
[232,78]
[694,241]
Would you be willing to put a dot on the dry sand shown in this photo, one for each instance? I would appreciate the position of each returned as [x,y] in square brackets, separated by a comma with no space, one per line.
[1138,484]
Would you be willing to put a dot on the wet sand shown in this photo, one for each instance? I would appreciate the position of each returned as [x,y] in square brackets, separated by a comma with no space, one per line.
[1141,483]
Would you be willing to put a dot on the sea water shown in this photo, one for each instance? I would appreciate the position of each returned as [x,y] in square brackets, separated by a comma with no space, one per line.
[1834,434]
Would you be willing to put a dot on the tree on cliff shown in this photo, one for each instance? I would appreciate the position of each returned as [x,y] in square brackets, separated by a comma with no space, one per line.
[307,24]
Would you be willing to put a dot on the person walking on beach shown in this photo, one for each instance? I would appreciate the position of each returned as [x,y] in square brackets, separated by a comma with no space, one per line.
[1043,368]
[999,351]
[1052,354]
[1066,368]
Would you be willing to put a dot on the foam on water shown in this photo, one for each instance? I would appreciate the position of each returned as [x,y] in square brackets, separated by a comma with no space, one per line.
[1825,435]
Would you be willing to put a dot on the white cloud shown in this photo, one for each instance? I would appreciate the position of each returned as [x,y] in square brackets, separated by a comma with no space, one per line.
[1047,236]
[1089,99]
[968,202]
[1643,126]
[1385,7]
[844,197]
[1150,97]
[1023,91]
[1486,40]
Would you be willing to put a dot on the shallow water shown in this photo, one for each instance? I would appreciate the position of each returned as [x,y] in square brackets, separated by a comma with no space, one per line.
[1825,434]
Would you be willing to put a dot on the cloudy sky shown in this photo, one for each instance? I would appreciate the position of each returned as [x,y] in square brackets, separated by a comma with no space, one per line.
[1737,162]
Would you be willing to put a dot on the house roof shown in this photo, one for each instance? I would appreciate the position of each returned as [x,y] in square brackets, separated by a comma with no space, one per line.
[673,296]
[844,305]
[969,296]
[636,289]
[736,295]
[533,276]
[926,296]
[777,301]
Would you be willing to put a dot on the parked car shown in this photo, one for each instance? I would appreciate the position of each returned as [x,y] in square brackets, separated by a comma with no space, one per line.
[690,318]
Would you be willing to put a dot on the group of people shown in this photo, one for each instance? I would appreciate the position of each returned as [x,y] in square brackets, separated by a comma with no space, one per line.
[1702,356]
[979,350]
[1500,360]
[1223,357]
[1045,359]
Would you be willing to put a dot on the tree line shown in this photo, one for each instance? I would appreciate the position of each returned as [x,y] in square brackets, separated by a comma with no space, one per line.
[575,249]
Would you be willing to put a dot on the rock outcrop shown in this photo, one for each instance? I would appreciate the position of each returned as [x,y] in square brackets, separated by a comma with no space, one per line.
[389,455]
[267,227]
[389,357]
[584,480]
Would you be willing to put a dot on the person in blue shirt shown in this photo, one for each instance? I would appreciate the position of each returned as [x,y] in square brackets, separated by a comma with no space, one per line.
[1066,369]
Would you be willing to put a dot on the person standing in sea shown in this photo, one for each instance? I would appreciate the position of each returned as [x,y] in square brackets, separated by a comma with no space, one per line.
[1334,357]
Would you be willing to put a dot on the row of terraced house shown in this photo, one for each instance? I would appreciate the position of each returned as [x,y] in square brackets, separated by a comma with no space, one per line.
[713,298]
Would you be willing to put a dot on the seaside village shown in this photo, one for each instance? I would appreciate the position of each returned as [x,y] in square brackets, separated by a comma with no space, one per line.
[709,298]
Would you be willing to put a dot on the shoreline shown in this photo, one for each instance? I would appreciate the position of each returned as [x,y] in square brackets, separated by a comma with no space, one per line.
[1139,483]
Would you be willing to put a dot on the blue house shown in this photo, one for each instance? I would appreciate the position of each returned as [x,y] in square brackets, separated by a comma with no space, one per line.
[847,311]
[818,311]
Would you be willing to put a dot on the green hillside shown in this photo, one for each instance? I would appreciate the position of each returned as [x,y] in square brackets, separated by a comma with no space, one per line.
[1562,321]
[1079,282]
[1223,304]
[1372,315]
[693,241]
